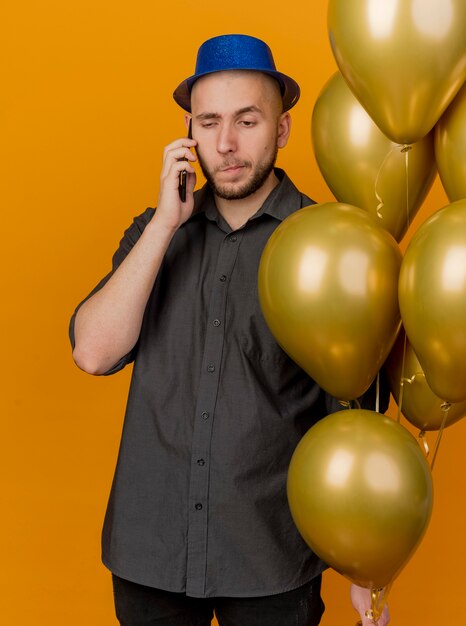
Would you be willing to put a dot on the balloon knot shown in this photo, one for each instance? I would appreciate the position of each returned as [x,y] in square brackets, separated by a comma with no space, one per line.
[408,380]
[406,147]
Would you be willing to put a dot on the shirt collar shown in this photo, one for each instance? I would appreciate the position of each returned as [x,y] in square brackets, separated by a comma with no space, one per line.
[283,200]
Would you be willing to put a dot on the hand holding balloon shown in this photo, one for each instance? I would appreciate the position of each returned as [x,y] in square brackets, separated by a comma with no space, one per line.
[362,603]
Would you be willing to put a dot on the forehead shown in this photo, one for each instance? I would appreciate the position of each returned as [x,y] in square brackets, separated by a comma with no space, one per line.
[233,90]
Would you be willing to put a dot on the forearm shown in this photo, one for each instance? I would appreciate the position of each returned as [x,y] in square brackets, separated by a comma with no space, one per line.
[107,325]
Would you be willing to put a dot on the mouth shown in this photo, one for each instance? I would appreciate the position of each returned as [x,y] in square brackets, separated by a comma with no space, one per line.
[232,168]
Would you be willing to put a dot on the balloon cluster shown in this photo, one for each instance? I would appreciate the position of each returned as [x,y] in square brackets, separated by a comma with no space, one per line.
[342,301]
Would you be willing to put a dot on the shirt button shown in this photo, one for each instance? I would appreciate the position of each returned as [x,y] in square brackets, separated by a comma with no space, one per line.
[233,238]
[217,322]
[223,278]
[198,506]
[200,462]
[205,415]
[211,367]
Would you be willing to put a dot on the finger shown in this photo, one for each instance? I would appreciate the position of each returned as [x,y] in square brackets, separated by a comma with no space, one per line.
[170,180]
[179,143]
[384,619]
[180,153]
[173,166]
[176,169]
[186,141]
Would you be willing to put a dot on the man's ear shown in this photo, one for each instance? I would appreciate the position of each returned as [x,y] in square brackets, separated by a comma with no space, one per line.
[284,129]
[187,119]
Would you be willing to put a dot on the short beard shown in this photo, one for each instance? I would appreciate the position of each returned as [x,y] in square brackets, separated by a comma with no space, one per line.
[227,192]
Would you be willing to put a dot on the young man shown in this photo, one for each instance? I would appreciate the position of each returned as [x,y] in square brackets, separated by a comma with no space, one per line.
[197,519]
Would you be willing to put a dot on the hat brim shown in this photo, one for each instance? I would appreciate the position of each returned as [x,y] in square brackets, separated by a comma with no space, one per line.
[289,88]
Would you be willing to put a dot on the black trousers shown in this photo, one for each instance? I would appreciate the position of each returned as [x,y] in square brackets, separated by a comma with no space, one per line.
[138,605]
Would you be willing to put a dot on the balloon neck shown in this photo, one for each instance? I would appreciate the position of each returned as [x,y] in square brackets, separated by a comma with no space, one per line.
[406,147]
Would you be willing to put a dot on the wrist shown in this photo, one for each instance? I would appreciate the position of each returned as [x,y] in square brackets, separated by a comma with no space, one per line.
[163,228]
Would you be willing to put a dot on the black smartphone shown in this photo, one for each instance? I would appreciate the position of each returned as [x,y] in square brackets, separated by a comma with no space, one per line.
[182,183]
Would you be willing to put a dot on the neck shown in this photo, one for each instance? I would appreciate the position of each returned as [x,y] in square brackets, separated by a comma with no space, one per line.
[237,212]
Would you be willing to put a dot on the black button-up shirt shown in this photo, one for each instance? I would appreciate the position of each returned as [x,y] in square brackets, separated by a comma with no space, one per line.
[215,411]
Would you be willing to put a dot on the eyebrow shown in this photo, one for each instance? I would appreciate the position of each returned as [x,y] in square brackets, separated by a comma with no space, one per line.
[248,109]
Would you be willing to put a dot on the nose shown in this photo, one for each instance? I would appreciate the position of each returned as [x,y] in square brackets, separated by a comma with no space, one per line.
[226,139]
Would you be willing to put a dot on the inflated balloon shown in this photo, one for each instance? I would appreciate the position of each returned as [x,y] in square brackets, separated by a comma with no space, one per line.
[404,61]
[450,147]
[432,296]
[362,166]
[360,493]
[419,404]
[328,289]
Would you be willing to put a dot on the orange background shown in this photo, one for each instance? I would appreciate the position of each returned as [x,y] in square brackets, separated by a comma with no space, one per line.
[85,111]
